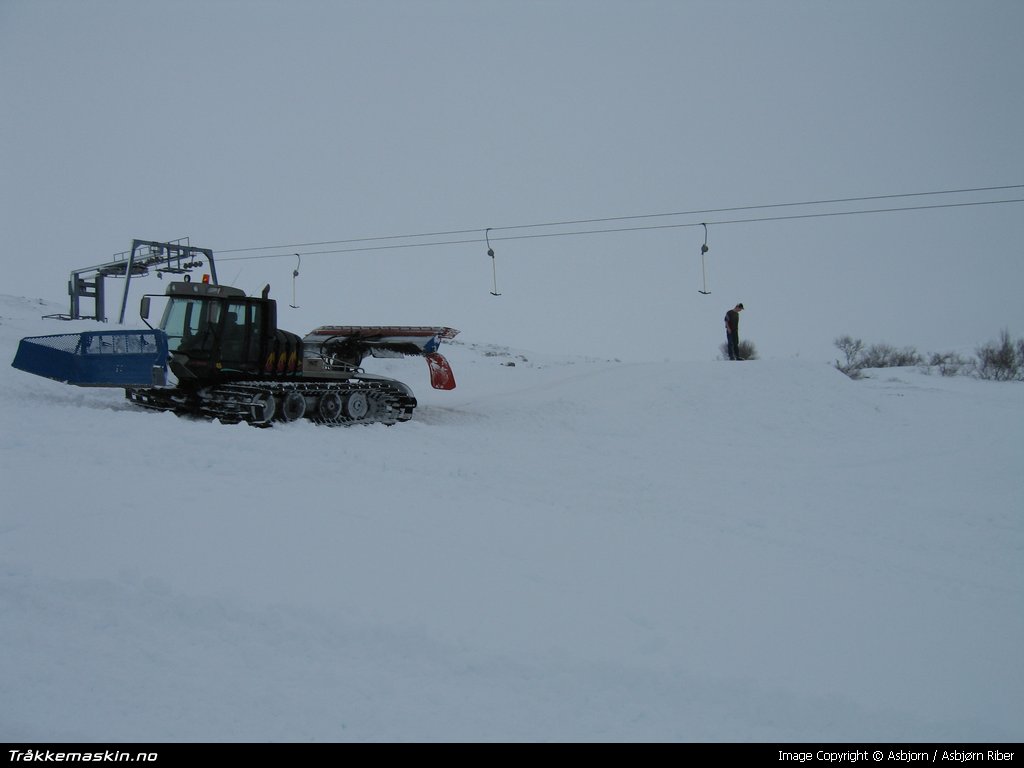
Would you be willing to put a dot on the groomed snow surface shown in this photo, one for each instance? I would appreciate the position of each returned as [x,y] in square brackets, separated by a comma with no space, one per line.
[562,549]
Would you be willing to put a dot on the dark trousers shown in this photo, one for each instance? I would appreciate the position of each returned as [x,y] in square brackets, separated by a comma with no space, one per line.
[733,340]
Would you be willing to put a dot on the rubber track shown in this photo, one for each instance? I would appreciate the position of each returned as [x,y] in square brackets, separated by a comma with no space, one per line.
[238,401]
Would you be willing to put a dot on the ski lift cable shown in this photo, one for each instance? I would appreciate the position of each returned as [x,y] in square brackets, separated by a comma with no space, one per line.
[610,230]
[768,206]
[569,222]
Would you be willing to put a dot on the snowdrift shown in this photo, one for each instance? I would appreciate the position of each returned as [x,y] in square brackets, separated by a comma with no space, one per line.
[561,549]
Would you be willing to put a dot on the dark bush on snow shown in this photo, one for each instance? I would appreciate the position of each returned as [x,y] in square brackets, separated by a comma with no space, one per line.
[747,350]
[951,363]
[1002,360]
[858,357]
[851,349]
[886,356]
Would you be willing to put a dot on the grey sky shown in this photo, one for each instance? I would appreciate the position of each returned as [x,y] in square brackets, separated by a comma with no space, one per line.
[243,124]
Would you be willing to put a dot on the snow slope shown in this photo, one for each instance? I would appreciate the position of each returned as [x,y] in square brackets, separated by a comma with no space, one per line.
[560,549]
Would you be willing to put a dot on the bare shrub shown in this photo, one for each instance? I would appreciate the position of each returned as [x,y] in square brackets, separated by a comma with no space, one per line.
[858,357]
[951,363]
[851,349]
[746,348]
[1000,360]
[887,356]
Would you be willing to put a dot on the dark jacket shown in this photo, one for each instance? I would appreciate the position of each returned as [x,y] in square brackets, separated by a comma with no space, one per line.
[732,321]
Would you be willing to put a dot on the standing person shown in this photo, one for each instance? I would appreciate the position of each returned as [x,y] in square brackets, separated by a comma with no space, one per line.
[732,331]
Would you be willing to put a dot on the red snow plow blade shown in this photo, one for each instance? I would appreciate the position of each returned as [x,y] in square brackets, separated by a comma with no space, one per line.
[441,376]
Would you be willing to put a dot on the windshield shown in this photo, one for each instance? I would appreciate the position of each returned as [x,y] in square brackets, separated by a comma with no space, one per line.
[185,319]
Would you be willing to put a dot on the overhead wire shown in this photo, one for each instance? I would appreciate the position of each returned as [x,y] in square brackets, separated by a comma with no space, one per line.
[570,222]
[768,206]
[610,230]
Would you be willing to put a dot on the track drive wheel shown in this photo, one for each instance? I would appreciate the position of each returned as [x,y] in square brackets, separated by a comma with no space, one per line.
[293,408]
[355,405]
[262,408]
[329,408]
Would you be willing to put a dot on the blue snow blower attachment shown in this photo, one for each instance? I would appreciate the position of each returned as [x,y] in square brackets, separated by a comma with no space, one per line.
[97,358]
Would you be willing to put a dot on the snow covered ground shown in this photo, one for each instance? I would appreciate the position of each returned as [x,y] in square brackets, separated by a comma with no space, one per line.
[560,549]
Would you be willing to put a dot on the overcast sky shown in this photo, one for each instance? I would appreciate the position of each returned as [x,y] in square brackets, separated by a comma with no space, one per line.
[245,124]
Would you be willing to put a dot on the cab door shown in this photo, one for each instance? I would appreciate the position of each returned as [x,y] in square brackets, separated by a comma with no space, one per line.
[242,336]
